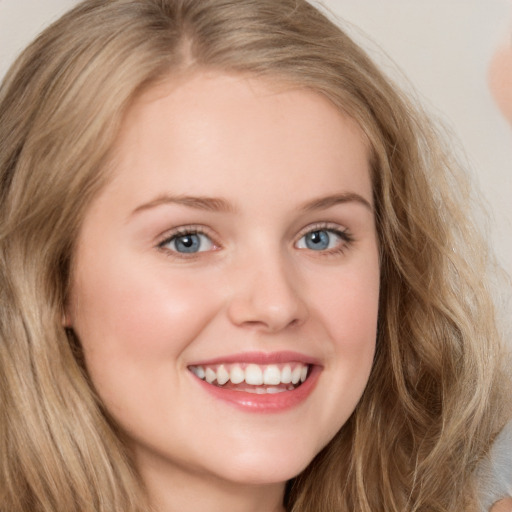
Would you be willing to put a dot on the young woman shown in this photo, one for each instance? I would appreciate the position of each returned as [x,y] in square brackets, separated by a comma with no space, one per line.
[237,273]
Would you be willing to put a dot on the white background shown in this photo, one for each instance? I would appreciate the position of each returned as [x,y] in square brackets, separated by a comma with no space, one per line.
[442,46]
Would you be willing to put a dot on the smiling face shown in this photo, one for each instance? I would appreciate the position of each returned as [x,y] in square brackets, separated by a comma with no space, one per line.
[234,245]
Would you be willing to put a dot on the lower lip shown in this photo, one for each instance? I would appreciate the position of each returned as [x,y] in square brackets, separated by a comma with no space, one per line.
[266,402]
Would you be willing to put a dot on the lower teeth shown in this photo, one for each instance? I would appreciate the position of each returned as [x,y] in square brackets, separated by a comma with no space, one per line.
[261,390]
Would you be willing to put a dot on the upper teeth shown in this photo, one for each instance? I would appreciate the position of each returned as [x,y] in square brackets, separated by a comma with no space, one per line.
[253,374]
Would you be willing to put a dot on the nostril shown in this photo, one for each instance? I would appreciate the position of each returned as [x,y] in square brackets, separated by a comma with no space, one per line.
[266,300]
[270,325]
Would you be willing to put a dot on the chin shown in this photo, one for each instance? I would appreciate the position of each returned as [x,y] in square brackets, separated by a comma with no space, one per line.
[266,469]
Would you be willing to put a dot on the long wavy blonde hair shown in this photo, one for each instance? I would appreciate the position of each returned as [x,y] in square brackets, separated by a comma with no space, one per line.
[434,399]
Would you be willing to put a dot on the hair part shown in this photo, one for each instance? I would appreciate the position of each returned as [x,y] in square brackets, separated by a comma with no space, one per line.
[435,396]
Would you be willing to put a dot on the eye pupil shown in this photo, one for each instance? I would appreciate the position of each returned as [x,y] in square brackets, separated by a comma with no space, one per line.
[317,240]
[187,243]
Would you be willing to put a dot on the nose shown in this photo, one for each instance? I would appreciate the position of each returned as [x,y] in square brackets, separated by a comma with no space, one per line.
[266,294]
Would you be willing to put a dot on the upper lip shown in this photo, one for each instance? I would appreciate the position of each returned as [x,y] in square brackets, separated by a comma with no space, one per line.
[261,358]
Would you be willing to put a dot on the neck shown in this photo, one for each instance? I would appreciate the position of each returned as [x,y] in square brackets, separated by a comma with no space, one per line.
[177,490]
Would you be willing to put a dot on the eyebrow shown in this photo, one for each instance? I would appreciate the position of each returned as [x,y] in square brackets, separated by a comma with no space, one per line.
[322,203]
[217,204]
[210,204]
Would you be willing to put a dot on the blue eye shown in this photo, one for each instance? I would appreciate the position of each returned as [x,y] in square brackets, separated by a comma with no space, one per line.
[320,240]
[188,243]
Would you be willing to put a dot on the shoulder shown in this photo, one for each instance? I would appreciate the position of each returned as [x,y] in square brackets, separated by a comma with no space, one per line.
[503,506]
[495,474]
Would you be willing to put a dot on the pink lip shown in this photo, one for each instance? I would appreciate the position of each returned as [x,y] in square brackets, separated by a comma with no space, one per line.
[264,403]
[260,358]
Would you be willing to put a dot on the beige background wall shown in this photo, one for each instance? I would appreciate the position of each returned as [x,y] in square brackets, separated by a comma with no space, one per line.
[443,46]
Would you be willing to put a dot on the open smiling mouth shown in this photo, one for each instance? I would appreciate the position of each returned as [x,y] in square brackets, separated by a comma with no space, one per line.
[254,378]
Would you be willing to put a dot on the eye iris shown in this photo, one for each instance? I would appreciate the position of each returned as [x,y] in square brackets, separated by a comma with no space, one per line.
[317,240]
[187,243]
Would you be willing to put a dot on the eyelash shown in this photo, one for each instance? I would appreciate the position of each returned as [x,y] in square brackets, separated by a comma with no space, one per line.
[181,232]
[344,234]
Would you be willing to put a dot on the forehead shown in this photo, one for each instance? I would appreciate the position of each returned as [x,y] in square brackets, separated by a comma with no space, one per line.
[210,130]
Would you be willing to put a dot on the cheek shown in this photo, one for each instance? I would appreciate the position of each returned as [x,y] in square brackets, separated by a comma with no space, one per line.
[353,327]
[349,308]
[348,312]
[346,305]
[126,318]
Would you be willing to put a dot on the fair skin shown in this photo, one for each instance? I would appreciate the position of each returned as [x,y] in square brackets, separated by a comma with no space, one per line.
[500,78]
[503,506]
[237,231]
